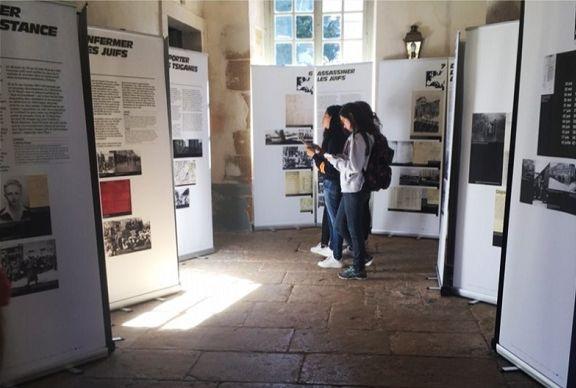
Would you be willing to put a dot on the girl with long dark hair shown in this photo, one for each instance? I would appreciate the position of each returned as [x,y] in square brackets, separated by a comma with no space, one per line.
[333,142]
[351,164]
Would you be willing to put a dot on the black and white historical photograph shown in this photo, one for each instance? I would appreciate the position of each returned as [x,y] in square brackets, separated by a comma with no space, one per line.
[403,152]
[428,177]
[550,185]
[119,163]
[498,227]
[487,148]
[307,205]
[295,158]
[126,236]
[321,202]
[436,79]
[305,84]
[184,172]
[24,207]
[557,123]
[182,197]
[31,266]
[190,148]
[299,110]
[289,136]
[427,113]
[298,183]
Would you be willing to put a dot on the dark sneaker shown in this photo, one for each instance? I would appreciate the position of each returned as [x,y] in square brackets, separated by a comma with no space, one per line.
[368,261]
[351,274]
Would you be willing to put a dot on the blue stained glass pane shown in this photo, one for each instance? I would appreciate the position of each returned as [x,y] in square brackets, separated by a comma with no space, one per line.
[305,53]
[283,5]
[304,5]
[283,27]
[283,53]
[332,26]
[304,27]
[331,52]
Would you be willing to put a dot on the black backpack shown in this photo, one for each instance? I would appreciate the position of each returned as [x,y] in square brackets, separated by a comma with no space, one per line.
[378,174]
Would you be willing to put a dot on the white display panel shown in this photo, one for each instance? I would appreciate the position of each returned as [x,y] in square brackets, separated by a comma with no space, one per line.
[338,85]
[282,115]
[135,164]
[402,87]
[48,236]
[538,284]
[447,162]
[489,65]
[191,142]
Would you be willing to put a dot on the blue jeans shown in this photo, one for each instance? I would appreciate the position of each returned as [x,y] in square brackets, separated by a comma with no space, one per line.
[332,198]
[350,224]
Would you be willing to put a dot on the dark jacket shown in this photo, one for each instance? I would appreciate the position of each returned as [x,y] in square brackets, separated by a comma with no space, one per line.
[332,143]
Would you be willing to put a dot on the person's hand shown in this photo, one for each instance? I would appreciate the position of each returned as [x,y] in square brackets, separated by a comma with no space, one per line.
[310,152]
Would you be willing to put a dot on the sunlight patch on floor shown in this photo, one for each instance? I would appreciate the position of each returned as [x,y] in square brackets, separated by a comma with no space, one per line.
[205,294]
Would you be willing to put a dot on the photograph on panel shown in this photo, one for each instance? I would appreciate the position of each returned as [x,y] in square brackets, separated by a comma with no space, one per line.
[289,136]
[190,148]
[25,207]
[427,114]
[305,84]
[498,227]
[414,199]
[119,163]
[299,110]
[436,79]
[116,198]
[306,205]
[550,185]
[298,183]
[126,236]
[428,177]
[403,152]
[182,197]
[487,148]
[30,266]
[184,172]
[295,158]
[427,153]
[556,133]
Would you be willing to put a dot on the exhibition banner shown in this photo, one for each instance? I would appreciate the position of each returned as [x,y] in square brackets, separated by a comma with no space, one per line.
[135,164]
[191,151]
[535,320]
[411,105]
[282,122]
[484,148]
[49,240]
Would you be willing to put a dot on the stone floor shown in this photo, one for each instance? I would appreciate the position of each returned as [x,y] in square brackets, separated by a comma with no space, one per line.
[260,313]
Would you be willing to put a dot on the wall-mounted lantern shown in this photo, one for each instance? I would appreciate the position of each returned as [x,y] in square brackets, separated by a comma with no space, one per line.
[413,41]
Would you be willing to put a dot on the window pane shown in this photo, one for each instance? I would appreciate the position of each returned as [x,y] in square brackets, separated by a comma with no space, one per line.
[331,26]
[353,5]
[304,27]
[353,25]
[331,5]
[283,53]
[352,51]
[305,53]
[283,5]
[304,5]
[283,28]
[331,52]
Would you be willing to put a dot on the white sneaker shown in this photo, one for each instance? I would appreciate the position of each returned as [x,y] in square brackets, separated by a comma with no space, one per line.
[320,250]
[330,262]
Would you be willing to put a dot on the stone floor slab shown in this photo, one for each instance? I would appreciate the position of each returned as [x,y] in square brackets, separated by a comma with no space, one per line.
[288,315]
[338,341]
[440,344]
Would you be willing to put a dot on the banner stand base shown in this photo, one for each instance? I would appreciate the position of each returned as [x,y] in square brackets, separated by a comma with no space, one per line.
[144,297]
[273,228]
[390,233]
[194,255]
[525,367]
[475,296]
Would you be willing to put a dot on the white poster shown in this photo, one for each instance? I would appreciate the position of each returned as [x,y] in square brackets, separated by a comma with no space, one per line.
[133,144]
[339,85]
[191,143]
[48,245]
[282,121]
[489,49]
[411,105]
[538,283]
